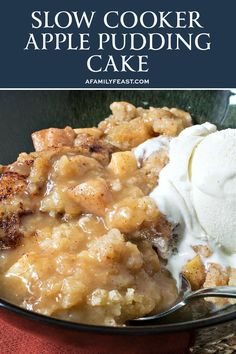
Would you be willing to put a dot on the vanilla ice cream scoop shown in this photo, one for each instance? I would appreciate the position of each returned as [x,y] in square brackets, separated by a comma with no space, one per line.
[213,177]
[197,193]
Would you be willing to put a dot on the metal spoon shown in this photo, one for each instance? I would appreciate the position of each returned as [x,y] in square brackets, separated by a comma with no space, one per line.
[186,295]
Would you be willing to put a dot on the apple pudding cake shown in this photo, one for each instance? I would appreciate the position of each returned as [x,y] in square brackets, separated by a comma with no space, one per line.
[81,238]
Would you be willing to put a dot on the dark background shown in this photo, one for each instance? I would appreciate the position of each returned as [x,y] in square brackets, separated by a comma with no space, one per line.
[168,69]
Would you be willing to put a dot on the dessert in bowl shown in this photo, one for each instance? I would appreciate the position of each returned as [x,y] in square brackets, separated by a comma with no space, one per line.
[97,223]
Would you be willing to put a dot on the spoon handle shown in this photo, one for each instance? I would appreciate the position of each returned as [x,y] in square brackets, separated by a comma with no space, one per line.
[218,291]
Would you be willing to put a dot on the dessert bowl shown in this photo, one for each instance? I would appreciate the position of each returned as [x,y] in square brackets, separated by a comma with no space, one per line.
[32,110]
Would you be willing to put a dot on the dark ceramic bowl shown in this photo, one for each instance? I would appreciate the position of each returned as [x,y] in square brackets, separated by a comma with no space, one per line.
[22,112]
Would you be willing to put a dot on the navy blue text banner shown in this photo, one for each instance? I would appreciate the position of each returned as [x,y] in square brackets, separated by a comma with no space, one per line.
[123,44]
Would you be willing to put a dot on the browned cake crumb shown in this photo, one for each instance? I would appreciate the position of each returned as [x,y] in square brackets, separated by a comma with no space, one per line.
[202,250]
[53,137]
[128,126]
[194,271]
[10,235]
[216,276]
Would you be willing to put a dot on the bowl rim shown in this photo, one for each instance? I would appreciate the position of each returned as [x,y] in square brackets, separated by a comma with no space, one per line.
[126,330]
